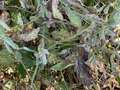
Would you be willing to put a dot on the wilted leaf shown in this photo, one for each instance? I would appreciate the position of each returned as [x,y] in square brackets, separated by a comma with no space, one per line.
[56,13]
[30,36]
[41,57]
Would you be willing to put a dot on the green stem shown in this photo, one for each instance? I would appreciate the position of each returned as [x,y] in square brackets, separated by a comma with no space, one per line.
[34,74]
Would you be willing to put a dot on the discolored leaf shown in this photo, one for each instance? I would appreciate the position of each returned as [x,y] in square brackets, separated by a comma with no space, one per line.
[56,13]
[29,36]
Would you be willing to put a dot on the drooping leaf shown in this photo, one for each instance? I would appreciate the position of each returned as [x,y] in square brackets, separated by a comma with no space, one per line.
[41,57]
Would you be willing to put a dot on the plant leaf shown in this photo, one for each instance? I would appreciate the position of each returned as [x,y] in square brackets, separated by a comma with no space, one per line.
[21,71]
[56,13]
[74,17]
[4,25]
[60,66]
[10,42]
[114,19]
[6,58]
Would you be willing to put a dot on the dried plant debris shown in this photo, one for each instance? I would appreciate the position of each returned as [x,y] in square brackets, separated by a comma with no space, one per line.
[29,36]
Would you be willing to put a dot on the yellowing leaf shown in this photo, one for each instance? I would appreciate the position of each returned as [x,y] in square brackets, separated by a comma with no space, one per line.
[56,13]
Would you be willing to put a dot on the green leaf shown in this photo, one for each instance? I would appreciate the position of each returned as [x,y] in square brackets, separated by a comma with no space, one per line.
[21,70]
[10,50]
[114,19]
[19,19]
[38,3]
[27,58]
[74,17]
[4,25]
[2,32]
[6,58]
[10,42]
[24,4]
[117,5]
[60,66]
[27,49]
[118,79]
[89,2]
